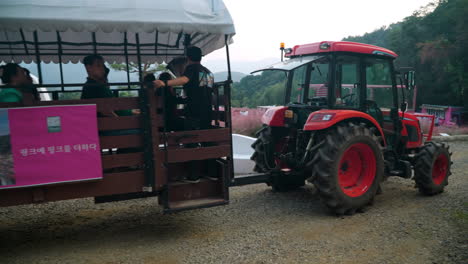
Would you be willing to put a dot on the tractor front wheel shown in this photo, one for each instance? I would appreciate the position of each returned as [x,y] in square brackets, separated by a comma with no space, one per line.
[432,168]
[270,142]
[348,168]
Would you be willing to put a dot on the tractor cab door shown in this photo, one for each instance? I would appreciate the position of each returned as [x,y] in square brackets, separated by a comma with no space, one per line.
[381,96]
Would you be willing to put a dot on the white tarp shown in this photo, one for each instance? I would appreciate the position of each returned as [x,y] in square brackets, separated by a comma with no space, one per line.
[161,25]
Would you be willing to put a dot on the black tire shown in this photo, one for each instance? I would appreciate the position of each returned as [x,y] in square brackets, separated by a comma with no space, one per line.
[264,158]
[334,158]
[430,172]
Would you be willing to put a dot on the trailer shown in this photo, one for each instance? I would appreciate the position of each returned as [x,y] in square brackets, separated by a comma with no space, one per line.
[64,149]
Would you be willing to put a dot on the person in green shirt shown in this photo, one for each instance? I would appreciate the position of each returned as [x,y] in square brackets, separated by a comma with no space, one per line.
[16,76]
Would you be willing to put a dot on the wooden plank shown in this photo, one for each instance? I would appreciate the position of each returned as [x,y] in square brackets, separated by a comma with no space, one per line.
[113,183]
[10,105]
[188,154]
[121,122]
[196,136]
[122,160]
[103,104]
[127,141]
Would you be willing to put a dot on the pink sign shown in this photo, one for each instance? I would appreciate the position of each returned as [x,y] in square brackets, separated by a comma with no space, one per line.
[49,145]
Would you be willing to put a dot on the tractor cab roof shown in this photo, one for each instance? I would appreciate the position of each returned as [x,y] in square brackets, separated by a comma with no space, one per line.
[338,46]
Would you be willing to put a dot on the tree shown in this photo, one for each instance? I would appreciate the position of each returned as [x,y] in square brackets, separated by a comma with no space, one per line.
[133,67]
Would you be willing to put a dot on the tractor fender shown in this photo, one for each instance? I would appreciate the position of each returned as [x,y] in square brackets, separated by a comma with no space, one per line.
[324,119]
[274,116]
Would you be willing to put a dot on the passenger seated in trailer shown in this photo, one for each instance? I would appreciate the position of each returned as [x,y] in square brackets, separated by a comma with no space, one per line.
[23,90]
[96,85]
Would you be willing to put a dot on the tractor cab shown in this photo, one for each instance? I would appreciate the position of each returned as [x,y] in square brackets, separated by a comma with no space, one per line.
[341,76]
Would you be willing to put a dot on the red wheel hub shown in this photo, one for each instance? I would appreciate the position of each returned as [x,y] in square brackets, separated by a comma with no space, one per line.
[357,169]
[439,170]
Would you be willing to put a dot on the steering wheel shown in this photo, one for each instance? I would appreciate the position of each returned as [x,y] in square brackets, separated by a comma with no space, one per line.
[351,101]
[318,101]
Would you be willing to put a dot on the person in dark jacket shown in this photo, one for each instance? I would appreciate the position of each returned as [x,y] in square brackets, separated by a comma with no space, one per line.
[198,83]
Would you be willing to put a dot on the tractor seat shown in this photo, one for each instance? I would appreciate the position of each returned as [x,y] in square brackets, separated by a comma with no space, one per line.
[373,110]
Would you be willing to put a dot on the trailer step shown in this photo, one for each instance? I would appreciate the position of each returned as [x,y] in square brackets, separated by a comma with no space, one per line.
[194,204]
[246,179]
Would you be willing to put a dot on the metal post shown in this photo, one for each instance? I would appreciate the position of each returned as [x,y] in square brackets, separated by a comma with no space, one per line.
[228,58]
[227,109]
[126,58]
[147,127]
[187,41]
[156,40]
[140,73]
[59,40]
[38,57]
[24,41]
[94,42]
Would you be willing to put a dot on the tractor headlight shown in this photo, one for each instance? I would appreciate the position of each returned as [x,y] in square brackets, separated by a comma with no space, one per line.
[288,114]
[321,117]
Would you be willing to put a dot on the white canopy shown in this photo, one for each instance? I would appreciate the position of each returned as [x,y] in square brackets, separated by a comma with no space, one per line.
[79,27]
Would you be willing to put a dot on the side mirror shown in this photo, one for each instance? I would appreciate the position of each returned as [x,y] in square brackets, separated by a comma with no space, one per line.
[409,80]
[404,106]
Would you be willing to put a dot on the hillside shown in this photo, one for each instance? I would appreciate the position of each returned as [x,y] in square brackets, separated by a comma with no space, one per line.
[433,41]
[222,76]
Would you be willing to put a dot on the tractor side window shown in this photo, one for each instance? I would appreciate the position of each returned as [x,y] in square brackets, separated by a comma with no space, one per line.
[348,82]
[298,83]
[379,82]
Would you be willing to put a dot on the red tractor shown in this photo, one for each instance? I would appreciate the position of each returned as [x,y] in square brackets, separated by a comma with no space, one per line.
[343,128]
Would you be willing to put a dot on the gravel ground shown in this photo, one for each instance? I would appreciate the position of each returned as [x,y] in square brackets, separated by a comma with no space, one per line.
[259,226]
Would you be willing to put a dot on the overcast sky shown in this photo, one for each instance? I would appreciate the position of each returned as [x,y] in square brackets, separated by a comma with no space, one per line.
[262,24]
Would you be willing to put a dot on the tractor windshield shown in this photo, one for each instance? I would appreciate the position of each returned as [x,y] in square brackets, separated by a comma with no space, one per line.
[289,65]
[310,82]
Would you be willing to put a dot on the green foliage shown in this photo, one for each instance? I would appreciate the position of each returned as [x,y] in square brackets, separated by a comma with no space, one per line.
[433,41]
[133,67]
[254,90]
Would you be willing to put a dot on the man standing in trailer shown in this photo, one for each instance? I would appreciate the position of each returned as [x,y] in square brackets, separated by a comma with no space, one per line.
[198,86]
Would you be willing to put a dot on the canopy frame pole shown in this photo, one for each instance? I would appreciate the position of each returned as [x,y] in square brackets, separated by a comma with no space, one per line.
[126,58]
[140,77]
[156,40]
[227,106]
[149,182]
[94,42]
[38,57]
[228,58]
[187,40]
[24,41]
[59,39]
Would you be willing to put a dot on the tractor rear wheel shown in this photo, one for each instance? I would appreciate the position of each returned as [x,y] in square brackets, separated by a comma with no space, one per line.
[348,168]
[432,168]
[271,141]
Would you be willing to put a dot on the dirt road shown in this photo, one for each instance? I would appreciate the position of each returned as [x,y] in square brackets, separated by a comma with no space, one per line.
[259,226]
